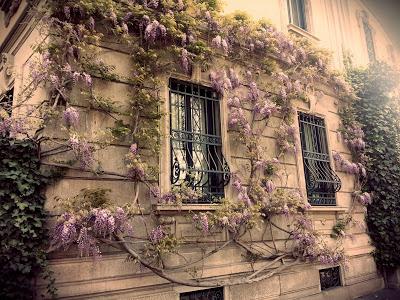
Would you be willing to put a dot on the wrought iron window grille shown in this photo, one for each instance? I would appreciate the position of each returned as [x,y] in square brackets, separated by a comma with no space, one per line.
[321,181]
[330,278]
[196,144]
[209,294]
[297,13]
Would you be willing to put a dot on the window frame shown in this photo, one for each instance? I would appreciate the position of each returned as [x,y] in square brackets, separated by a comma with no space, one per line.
[368,37]
[301,13]
[334,178]
[219,133]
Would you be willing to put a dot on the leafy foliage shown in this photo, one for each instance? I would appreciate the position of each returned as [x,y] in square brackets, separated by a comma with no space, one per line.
[378,113]
[22,218]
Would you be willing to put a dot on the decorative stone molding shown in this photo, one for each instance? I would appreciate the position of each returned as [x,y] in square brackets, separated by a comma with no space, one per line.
[9,7]
[7,74]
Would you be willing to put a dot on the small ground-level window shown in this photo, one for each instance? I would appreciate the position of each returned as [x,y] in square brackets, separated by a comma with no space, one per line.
[210,294]
[321,181]
[196,143]
[329,278]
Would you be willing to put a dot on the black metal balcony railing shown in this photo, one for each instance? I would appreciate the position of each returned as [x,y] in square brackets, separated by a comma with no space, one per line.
[321,181]
[196,144]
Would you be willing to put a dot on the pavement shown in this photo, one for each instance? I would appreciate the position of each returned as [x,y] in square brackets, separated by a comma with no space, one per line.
[385,294]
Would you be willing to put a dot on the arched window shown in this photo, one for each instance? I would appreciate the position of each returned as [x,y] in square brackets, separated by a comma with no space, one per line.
[368,37]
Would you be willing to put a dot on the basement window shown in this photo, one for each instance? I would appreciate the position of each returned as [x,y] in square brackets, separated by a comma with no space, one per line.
[209,294]
[330,278]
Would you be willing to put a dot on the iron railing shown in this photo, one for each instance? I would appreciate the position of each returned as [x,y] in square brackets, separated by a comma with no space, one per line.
[209,294]
[321,181]
[330,278]
[196,144]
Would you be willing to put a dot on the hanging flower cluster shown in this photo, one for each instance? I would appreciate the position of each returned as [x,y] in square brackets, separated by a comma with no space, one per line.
[346,166]
[85,229]
[364,198]
[83,151]
[136,167]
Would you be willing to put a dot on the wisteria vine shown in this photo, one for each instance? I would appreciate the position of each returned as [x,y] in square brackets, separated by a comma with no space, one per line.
[191,34]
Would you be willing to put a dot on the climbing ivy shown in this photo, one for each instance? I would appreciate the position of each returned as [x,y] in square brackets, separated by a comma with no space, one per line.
[377,110]
[22,219]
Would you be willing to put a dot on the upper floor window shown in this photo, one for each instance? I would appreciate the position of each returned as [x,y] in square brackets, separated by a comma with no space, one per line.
[196,144]
[321,181]
[6,103]
[368,38]
[297,13]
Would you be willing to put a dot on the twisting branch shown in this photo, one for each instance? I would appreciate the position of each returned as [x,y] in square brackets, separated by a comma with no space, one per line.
[195,283]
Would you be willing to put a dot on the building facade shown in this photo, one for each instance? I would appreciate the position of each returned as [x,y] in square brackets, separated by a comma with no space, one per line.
[343,27]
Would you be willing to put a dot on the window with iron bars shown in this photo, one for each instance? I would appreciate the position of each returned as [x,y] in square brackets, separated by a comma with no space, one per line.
[196,144]
[329,278]
[209,294]
[297,13]
[321,181]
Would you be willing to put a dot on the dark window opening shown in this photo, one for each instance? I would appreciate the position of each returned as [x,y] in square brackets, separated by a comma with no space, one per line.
[6,102]
[329,278]
[321,181]
[210,294]
[196,144]
[297,13]
[369,40]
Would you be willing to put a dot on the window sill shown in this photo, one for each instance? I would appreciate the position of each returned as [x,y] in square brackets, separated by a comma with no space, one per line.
[328,208]
[301,32]
[165,209]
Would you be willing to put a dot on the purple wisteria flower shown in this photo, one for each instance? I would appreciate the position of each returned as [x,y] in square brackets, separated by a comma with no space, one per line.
[347,166]
[12,126]
[153,30]
[157,234]
[87,79]
[363,198]
[201,221]
[185,61]
[180,5]
[234,102]
[234,78]
[254,93]
[133,149]
[104,224]
[71,116]
[83,151]
[269,186]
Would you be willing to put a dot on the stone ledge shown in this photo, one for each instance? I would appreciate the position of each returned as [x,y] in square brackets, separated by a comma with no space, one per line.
[165,209]
[328,209]
[299,31]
